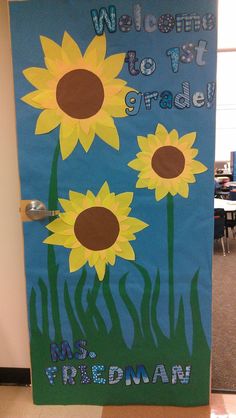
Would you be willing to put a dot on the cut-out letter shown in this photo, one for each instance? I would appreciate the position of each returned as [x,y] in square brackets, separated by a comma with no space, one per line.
[150,23]
[133,101]
[166,23]
[96,372]
[115,375]
[104,17]
[160,372]
[62,353]
[174,54]
[182,100]
[125,23]
[177,373]
[131,60]
[148,97]
[188,22]
[166,101]
[130,375]
[68,374]
[147,66]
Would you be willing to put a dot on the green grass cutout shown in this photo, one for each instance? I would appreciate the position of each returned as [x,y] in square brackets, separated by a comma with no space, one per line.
[87,323]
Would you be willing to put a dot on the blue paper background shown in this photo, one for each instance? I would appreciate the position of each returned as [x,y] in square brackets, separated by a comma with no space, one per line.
[81,171]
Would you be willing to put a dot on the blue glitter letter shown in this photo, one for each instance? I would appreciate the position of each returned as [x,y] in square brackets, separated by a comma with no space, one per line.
[96,372]
[177,373]
[130,374]
[61,354]
[102,17]
[133,101]
[174,54]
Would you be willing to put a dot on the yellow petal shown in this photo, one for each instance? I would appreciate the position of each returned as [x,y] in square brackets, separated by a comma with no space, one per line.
[60,227]
[174,136]
[124,199]
[71,48]
[90,195]
[93,258]
[100,267]
[113,88]
[66,205]
[135,164]
[105,119]
[86,140]
[104,191]
[197,167]
[113,65]
[103,255]
[118,111]
[189,177]
[124,210]
[141,183]
[115,105]
[67,126]
[188,140]
[76,198]
[183,189]
[56,68]
[135,224]
[109,200]
[115,82]
[38,77]
[161,131]
[77,259]
[190,154]
[56,239]
[50,48]
[127,251]
[47,121]
[160,193]
[109,135]
[68,217]
[85,124]
[96,51]
[29,99]
[111,257]
[68,143]
[72,242]
[153,142]
[47,99]
[143,143]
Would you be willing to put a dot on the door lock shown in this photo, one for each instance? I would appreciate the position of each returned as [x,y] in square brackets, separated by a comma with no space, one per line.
[36,211]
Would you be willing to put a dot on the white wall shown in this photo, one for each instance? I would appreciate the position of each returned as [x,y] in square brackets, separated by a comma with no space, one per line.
[226,86]
[226,105]
[14,350]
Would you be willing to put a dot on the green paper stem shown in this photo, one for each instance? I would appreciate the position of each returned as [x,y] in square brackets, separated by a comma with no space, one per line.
[53,196]
[52,266]
[44,302]
[170,241]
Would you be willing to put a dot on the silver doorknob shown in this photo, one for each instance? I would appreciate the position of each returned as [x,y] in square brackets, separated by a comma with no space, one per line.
[37,210]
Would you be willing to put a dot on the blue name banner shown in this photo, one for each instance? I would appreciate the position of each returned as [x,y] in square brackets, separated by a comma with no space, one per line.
[115,107]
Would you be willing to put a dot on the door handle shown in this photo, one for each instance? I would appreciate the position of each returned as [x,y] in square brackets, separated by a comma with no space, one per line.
[36,211]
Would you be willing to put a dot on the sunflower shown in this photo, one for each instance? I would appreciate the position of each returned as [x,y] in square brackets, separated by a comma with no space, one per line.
[166,162]
[78,92]
[96,228]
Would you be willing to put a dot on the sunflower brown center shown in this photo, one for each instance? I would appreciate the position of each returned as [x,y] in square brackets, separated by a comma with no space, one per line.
[96,228]
[80,94]
[168,162]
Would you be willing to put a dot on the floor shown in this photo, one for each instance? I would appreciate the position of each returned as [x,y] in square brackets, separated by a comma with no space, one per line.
[224,318]
[16,402]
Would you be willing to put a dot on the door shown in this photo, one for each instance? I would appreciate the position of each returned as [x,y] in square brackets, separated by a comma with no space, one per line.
[115,112]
